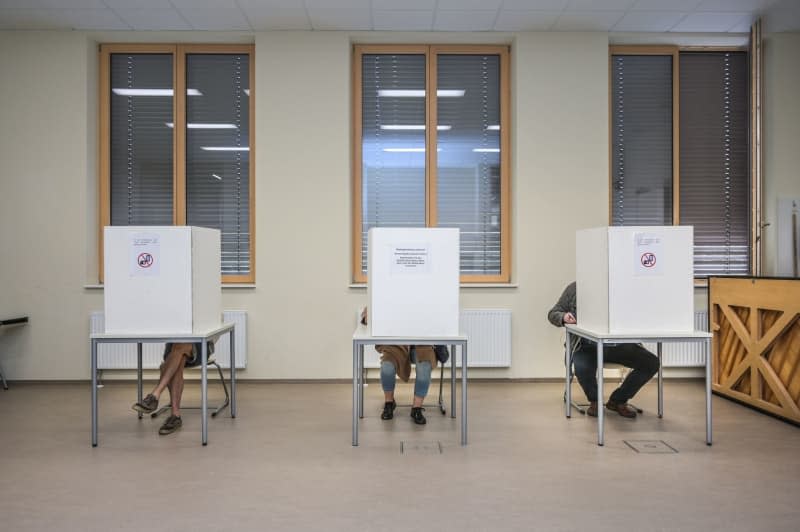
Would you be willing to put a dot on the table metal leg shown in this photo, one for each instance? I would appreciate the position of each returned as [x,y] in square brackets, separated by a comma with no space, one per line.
[453,381]
[233,372]
[361,383]
[464,393]
[568,382]
[204,390]
[94,393]
[660,382]
[139,374]
[356,372]
[600,394]
[708,391]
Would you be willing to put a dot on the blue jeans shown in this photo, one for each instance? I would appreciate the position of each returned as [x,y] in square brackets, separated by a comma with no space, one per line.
[643,363]
[421,383]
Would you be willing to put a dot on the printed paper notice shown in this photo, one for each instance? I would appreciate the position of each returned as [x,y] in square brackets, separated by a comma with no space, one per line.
[648,254]
[145,255]
[410,258]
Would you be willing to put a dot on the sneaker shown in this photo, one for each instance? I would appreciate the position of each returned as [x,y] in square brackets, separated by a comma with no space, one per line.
[622,409]
[388,410]
[416,415]
[147,405]
[172,424]
[592,410]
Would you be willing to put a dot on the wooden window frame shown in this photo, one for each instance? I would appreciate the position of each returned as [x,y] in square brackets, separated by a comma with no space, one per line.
[179,53]
[431,52]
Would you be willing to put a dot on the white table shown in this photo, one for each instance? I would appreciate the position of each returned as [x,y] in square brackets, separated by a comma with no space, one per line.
[635,338]
[362,337]
[202,337]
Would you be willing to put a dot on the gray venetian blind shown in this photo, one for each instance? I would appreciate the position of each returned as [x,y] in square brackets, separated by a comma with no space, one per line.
[468,157]
[392,143]
[217,153]
[714,182]
[141,141]
[641,144]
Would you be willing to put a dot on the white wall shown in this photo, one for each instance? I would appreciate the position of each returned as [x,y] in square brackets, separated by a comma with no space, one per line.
[781,133]
[302,309]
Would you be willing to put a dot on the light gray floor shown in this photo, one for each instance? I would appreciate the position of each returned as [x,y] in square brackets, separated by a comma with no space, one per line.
[286,463]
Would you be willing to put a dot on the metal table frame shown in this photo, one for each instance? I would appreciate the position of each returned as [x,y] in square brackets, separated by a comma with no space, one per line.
[605,338]
[361,338]
[201,337]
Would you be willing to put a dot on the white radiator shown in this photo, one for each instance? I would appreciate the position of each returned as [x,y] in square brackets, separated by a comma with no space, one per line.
[685,354]
[489,334]
[123,356]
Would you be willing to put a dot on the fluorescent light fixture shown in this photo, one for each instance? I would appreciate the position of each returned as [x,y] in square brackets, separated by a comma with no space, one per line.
[216,176]
[226,148]
[152,92]
[412,127]
[493,128]
[486,150]
[198,125]
[420,93]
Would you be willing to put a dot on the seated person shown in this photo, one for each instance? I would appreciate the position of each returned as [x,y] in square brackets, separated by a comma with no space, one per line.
[396,361]
[176,357]
[584,358]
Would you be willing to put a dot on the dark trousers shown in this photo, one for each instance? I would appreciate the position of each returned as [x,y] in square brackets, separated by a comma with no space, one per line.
[643,363]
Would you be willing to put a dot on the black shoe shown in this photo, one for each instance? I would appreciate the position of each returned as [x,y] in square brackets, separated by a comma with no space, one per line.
[416,415]
[388,410]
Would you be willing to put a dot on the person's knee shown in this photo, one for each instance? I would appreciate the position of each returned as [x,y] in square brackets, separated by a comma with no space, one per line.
[650,363]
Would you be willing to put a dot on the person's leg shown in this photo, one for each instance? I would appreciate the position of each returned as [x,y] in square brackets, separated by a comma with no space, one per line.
[584,363]
[175,387]
[422,382]
[388,382]
[643,363]
[174,361]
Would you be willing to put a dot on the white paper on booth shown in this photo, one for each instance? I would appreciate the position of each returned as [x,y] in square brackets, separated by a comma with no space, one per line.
[144,255]
[648,254]
[411,258]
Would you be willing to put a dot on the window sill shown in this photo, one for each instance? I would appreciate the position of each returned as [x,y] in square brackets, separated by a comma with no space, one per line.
[231,286]
[462,285]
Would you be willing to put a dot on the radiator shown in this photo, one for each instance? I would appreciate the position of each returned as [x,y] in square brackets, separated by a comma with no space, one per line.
[489,339]
[123,356]
[685,354]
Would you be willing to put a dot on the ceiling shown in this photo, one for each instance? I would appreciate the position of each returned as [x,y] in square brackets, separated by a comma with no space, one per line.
[714,16]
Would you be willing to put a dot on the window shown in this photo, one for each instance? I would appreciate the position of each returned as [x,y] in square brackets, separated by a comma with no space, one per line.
[400,182]
[176,135]
[679,149]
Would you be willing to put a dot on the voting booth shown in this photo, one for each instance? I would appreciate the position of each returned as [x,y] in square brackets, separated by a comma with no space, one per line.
[413,282]
[636,279]
[162,279]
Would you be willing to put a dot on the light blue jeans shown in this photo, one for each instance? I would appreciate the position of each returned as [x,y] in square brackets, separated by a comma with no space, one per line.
[421,383]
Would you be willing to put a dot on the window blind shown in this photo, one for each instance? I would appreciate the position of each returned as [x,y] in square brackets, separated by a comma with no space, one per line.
[392,143]
[641,149]
[217,153]
[468,157]
[714,166]
[141,142]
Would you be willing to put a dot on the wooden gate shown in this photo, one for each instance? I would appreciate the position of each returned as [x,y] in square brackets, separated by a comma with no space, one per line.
[756,343]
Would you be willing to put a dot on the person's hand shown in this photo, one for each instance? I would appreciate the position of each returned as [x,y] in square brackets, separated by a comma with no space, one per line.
[569,318]
[364,316]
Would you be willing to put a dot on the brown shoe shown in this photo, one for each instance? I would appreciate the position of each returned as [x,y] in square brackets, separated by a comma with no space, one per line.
[622,409]
[592,410]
